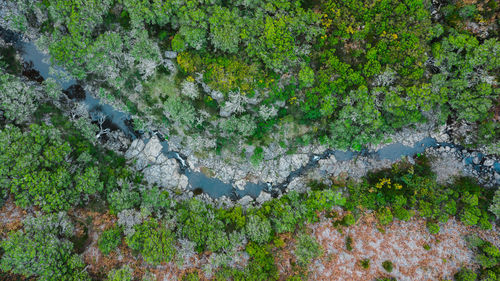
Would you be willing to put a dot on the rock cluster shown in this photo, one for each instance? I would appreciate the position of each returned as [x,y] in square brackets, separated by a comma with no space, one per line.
[156,167]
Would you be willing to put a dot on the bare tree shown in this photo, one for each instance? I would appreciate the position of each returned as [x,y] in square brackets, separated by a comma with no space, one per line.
[101,119]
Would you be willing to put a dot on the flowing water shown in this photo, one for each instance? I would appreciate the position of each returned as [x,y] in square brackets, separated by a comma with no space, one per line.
[199,182]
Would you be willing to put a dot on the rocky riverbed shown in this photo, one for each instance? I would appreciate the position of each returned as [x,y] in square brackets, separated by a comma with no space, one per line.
[279,171]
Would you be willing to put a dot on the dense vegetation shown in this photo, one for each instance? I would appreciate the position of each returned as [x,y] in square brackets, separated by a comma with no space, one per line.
[291,73]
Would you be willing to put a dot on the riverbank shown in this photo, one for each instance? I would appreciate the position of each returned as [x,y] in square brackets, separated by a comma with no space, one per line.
[178,167]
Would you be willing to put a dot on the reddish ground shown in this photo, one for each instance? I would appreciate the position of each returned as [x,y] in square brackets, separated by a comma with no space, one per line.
[402,244]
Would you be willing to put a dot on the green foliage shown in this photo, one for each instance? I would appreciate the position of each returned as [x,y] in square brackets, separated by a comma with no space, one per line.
[18,101]
[43,250]
[123,199]
[178,44]
[465,66]
[465,274]
[307,249]
[153,242]
[180,111]
[36,169]
[348,219]
[200,225]
[387,265]
[487,256]
[348,243]
[258,229]
[365,263]
[122,274]
[384,216]
[396,191]
[224,29]
[257,156]
[261,265]
[306,76]
[155,200]
[432,227]
[109,240]
[495,204]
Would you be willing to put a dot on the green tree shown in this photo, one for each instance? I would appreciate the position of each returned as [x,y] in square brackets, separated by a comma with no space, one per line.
[43,250]
[109,240]
[18,101]
[153,242]
[224,29]
[122,274]
[258,229]
[307,249]
[35,167]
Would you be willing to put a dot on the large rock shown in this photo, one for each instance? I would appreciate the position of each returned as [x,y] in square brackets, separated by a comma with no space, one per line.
[135,148]
[263,197]
[170,55]
[245,200]
[240,184]
[152,149]
[489,162]
[166,175]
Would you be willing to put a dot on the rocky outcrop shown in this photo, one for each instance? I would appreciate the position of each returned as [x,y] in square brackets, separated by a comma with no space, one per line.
[156,167]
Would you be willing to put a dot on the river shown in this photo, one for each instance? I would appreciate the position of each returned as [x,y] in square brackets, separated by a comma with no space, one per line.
[199,182]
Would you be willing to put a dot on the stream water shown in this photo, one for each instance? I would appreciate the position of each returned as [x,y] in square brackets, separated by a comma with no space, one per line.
[198,182]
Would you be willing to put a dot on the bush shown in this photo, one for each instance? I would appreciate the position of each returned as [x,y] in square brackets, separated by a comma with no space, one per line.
[432,227]
[466,274]
[387,265]
[110,239]
[348,220]
[43,250]
[384,216]
[258,229]
[39,168]
[261,265]
[18,101]
[402,214]
[178,44]
[199,224]
[365,263]
[155,243]
[348,243]
[123,199]
[307,249]
[122,274]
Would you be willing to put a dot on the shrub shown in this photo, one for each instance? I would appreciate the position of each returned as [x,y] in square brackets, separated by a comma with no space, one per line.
[261,265]
[387,265]
[348,220]
[258,229]
[348,243]
[199,224]
[365,263]
[495,204]
[178,44]
[18,101]
[466,274]
[384,216]
[43,250]
[155,243]
[307,249]
[432,227]
[402,214]
[122,274]
[36,166]
[110,239]
[123,199]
